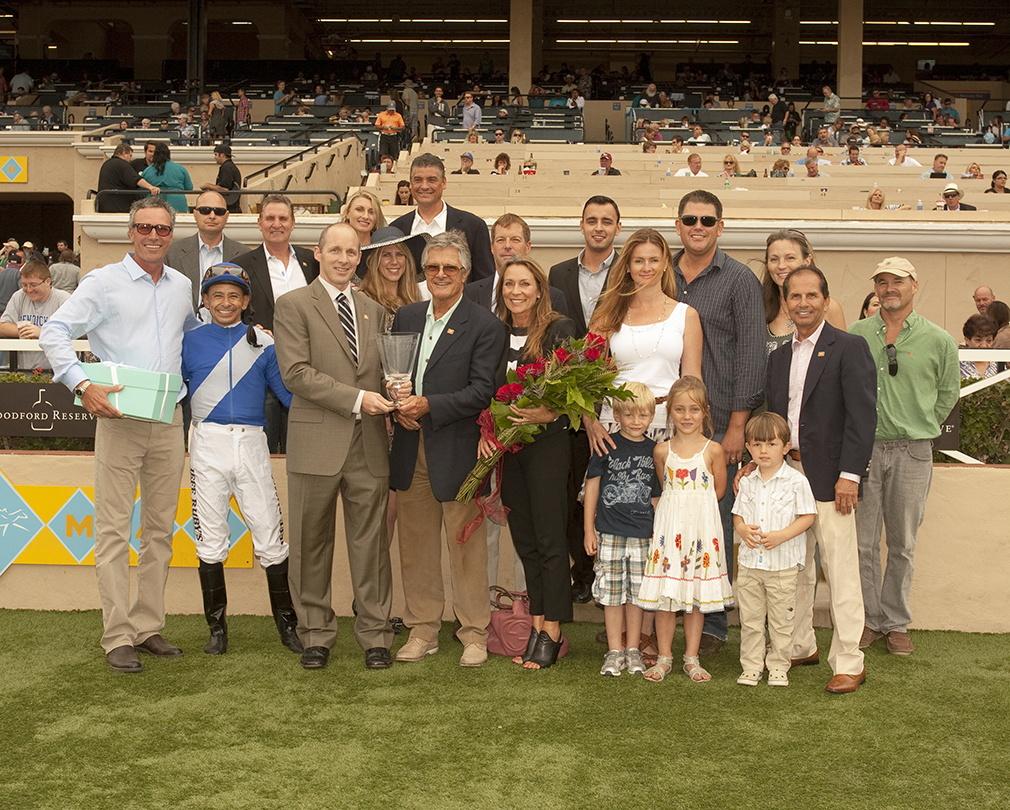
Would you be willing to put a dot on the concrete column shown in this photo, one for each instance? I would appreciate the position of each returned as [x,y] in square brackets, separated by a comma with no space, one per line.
[786,38]
[521,44]
[850,52]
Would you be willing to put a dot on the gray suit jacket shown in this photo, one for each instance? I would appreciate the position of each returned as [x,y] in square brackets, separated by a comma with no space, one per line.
[184,256]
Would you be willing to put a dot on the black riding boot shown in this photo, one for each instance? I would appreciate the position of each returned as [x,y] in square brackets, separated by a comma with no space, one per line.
[280,603]
[215,601]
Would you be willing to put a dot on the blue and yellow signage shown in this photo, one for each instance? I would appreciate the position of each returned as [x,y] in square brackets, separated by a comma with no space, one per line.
[13,169]
[42,525]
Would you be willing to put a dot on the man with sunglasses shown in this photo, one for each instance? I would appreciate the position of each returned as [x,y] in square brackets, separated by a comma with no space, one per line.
[193,255]
[917,386]
[228,366]
[134,312]
[822,383]
[727,296]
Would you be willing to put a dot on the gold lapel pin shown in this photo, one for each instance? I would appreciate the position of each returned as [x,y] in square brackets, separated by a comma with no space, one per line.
[451,331]
[819,354]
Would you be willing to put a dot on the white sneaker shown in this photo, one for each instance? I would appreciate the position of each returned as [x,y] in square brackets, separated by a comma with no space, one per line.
[778,678]
[633,661]
[613,663]
[749,678]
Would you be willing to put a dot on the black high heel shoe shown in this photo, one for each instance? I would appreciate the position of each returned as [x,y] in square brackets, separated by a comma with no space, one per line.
[545,653]
[530,646]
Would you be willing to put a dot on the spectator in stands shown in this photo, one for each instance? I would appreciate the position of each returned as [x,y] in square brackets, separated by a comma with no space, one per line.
[363,212]
[823,138]
[321,96]
[433,216]
[780,168]
[979,332]
[949,111]
[472,135]
[998,185]
[65,273]
[169,176]
[832,105]
[778,110]
[999,314]
[465,164]
[791,122]
[648,147]
[606,167]
[699,136]
[576,101]
[853,158]
[676,145]
[438,111]
[471,112]
[693,168]
[797,141]
[390,125]
[952,199]
[141,163]
[928,104]
[876,202]
[304,111]
[973,172]
[814,170]
[499,135]
[243,110]
[502,163]
[769,139]
[517,136]
[814,155]
[116,174]
[228,179]
[28,310]
[731,167]
[901,157]
[983,297]
[877,103]
[386,165]
[282,97]
[403,196]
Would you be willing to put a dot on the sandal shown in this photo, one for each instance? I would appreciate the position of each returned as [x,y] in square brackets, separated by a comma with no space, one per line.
[545,652]
[659,670]
[695,671]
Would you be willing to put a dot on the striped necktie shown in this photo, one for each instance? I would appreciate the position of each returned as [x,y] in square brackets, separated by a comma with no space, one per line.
[347,321]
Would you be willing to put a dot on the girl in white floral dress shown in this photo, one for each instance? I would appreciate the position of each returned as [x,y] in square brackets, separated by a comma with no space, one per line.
[686,566]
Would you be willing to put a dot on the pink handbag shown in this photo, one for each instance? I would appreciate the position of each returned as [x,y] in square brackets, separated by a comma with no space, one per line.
[511,623]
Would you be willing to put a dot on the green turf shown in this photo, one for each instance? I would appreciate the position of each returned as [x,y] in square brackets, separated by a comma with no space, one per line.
[251,729]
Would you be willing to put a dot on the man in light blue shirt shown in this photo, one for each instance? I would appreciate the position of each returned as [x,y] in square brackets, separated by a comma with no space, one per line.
[471,112]
[134,312]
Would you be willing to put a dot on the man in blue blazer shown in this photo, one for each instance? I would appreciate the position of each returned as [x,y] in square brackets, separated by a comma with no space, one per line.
[435,447]
[433,216]
[823,383]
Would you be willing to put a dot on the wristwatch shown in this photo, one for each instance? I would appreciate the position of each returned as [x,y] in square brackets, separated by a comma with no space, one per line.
[80,389]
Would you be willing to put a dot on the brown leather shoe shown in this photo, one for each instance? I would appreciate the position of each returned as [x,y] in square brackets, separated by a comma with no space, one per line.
[809,661]
[124,659]
[841,684]
[899,643]
[156,645]
[868,637]
[710,645]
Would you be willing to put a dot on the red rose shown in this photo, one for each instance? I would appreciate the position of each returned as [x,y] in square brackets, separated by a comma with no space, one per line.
[562,355]
[592,354]
[541,365]
[515,391]
[595,341]
[529,370]
[504,394]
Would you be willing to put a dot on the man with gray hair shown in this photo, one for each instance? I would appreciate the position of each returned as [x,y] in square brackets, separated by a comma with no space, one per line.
[134,312]
[435,447]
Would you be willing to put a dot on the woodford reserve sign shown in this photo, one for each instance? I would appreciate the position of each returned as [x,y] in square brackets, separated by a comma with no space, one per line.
[42,409]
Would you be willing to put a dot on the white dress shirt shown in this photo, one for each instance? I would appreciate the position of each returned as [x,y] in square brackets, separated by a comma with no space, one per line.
[284,277]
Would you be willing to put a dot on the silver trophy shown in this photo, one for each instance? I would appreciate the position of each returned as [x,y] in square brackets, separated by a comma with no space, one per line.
[397,352]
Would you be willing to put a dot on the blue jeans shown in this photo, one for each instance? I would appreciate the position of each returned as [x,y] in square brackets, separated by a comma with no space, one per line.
[715,623]
[894,497]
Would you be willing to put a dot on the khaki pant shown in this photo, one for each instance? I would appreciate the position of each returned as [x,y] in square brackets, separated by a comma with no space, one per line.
[420,523]
[760,594]
[128,452]
[835,537]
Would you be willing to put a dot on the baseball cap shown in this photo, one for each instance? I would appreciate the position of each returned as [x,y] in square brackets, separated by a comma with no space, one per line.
[605,156]
[223,149]
[896,266]
[391,105]
[467,155]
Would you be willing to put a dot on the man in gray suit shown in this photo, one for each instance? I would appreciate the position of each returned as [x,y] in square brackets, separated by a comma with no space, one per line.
[337,445]
[194,254]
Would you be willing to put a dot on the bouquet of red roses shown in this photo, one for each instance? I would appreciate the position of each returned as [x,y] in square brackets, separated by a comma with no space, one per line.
[569,381]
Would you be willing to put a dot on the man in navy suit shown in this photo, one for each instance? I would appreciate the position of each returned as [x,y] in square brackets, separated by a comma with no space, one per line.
[432,216]
[823,383]
[435,447]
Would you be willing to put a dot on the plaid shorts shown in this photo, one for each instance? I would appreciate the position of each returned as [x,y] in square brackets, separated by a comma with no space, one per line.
[619,568]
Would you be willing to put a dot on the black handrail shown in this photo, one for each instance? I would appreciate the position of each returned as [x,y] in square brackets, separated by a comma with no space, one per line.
[299,156]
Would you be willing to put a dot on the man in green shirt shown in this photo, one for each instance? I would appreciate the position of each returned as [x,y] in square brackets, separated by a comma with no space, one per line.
[917,386]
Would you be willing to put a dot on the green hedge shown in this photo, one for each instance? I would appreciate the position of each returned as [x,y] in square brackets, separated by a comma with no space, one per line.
[985,424]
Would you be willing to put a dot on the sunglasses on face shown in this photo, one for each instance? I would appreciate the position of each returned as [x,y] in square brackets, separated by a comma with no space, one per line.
[691,220]
[144,228]
[448,269]
[950,196]
[226,269]
[206,210]
[892,359]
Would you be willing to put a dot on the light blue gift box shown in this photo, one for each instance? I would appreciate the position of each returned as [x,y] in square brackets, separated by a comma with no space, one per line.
[146,395]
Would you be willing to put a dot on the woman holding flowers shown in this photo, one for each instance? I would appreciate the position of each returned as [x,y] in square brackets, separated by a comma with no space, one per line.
[654,339]
[532,478]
